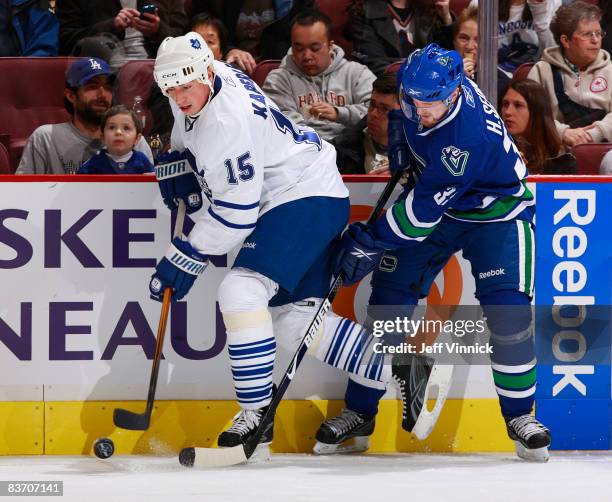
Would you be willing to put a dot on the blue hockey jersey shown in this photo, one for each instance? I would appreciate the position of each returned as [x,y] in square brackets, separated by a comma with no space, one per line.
[467,167]
[102,163]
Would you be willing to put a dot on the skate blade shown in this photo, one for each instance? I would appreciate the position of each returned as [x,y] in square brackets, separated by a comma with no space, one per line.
[532,454]
[353,445]
[441,376]
[225,457]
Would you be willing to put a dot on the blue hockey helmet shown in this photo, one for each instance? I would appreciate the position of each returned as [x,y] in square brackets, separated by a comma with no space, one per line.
[429,74]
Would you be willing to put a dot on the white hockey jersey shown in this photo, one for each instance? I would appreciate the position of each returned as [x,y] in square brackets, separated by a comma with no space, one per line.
[250,158]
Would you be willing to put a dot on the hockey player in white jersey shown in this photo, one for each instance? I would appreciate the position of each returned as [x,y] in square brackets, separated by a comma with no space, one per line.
[275,190]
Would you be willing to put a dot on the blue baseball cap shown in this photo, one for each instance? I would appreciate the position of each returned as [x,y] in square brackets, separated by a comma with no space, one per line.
[83,70]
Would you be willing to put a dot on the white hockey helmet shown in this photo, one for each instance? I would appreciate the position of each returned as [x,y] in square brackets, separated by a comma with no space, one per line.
[181,60]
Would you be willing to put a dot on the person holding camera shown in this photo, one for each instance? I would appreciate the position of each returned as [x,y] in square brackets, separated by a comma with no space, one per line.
[118,30]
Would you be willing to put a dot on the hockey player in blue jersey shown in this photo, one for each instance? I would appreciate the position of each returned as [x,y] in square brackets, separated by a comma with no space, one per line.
[470,194]
[275,191]
[121,131]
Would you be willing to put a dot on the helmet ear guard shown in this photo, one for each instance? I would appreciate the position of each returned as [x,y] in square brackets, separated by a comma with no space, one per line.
[181,60]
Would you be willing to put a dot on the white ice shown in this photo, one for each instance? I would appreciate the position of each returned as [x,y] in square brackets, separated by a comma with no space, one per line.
[575,477]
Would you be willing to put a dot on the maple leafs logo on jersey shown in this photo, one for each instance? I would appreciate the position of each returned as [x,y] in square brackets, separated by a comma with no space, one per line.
[455,160]
[195,43]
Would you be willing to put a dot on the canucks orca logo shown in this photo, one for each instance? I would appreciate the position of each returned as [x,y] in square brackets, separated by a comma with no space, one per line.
[445,61]
[195,43]
[455,160]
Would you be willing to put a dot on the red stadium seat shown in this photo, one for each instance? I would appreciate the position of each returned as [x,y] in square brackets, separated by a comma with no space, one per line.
[522,71]
[31,94]
[589,156]
[337,11]
[5,161]
[263,68]
[135,78]
[456,6]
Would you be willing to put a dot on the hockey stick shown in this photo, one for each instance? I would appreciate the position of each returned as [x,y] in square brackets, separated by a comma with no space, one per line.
[221,457]
[140,421]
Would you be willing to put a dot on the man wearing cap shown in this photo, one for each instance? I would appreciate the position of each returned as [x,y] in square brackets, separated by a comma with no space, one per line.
[63,148]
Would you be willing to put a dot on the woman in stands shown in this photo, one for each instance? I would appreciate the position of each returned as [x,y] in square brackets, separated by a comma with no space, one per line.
[527,114]
[386,31]
[465,42]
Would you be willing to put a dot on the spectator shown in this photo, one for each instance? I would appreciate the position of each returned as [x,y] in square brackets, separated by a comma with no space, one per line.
[465,42]
[315,85]
[362,149]
[524,30]
[213,32]
[257,29]
[63,148]
[27,28]
[121,131]
[527,113]
[386,31]
[115,30]
[577,76]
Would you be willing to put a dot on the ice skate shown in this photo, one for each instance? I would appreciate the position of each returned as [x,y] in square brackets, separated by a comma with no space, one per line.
[346,433]
[530,437]
[245,424]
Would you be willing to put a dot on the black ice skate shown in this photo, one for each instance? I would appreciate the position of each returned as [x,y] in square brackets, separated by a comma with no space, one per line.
[245,424]
[530,437]
[415,376]
[347,433]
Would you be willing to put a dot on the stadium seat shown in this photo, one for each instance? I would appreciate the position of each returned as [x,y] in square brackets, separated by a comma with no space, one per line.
[31,94]
[135,78]
[337,11]
[393,67]
[522,71]
[456,6]
[5,161]
[263,68]
[589,156]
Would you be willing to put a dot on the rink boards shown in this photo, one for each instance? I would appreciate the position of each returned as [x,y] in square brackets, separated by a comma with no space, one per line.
[77,329]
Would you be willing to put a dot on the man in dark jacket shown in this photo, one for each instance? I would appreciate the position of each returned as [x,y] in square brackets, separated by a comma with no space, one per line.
[259,31]
[362,149]
[27,28]
[138,36]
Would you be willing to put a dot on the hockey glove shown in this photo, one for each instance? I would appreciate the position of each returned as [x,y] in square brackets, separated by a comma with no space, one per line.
[398,147]
[359,253]
[177,181]
[177,270]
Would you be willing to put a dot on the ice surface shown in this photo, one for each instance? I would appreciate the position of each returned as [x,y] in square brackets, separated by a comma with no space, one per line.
[576,477]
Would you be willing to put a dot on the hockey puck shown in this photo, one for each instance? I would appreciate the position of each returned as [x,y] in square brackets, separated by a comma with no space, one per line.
[104,448]
[187,457]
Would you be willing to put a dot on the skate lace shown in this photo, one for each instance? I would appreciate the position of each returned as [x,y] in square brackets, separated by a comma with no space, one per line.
[526,426]
[401,383]
[245,421]
[345,421]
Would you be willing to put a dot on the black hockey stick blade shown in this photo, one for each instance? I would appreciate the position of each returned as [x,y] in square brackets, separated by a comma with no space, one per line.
[224,457]
[129,420]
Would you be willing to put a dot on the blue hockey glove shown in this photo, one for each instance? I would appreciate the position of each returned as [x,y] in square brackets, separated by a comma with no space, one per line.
[177,181]
[177,270]
[359,253]
[398,147]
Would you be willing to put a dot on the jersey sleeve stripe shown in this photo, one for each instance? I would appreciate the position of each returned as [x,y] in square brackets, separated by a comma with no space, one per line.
[414,221]
[233,205]
[229,223]
[405,225]
[391,221]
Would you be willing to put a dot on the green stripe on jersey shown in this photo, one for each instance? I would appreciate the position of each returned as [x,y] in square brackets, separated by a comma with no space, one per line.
[407,228]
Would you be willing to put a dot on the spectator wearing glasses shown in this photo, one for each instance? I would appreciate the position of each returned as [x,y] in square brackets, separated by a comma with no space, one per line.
[362,149]
[578,75]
